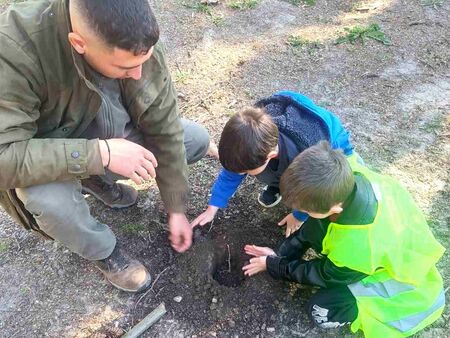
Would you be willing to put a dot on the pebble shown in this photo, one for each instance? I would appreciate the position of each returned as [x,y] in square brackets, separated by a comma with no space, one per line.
[270,329]
[214,300]
[178,299]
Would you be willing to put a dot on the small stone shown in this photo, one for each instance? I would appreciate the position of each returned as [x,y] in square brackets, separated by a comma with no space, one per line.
[270,329]
[178,299]
[232,323]
[263,327]
[214,300]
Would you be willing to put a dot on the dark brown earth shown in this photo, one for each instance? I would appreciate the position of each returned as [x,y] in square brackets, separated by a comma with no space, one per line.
[395,99]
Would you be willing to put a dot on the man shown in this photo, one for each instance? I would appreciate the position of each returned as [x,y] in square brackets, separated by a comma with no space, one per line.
[86,98]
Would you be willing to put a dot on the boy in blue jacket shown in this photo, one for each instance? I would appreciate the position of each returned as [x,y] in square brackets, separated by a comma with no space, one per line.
[263,140]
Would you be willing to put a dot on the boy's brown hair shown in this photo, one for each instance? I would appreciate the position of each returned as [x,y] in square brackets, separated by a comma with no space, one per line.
[317,179]
[247,139]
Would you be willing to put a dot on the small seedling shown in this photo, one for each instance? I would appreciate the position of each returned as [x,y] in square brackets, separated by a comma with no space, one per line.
[364,33]
[243,4]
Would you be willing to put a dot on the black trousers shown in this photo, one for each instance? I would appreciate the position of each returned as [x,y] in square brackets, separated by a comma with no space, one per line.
[333,307]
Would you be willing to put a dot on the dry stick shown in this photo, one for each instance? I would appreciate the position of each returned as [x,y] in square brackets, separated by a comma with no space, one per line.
[151,288]
[145,323]
[229,259]
[212,224]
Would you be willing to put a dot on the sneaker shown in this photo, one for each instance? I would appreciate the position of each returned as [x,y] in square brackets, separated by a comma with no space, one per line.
[124,273]
[115,195]
[269,197]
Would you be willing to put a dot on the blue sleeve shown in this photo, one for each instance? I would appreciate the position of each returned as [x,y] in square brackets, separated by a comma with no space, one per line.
[224,188]
[301,216]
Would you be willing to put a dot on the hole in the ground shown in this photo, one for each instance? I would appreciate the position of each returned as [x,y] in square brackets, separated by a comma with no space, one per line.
[228,267]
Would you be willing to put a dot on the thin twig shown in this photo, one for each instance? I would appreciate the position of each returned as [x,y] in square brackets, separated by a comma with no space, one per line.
[229,259]
[151,288]
[159,275]
[212,224]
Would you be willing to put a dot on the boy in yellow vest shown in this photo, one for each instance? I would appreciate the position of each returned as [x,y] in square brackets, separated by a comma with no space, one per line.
[377,267]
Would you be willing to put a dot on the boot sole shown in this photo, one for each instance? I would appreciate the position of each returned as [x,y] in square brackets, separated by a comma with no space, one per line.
[113,206]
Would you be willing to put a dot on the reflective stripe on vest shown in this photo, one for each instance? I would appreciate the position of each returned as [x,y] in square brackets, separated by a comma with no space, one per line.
[385,289]
[410,322]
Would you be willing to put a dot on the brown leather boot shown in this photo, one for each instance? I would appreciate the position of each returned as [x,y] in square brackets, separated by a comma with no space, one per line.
[124,273]
[114,195]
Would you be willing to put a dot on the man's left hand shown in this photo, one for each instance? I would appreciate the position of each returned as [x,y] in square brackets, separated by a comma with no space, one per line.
[180,232]
[257,265]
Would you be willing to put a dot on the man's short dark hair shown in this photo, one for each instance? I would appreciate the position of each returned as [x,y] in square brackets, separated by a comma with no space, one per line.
[317,179]
[247,139]
[125,24]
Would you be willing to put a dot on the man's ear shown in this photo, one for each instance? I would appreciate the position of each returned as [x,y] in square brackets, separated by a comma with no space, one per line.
[77,42]
[336,209]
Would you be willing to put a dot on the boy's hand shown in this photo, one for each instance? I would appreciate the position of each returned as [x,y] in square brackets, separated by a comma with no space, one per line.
[292,224]
[257,251]
[206,217]
[257,264]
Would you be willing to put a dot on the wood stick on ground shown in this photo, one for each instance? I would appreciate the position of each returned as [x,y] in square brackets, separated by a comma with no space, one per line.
[229,259]
[146,323]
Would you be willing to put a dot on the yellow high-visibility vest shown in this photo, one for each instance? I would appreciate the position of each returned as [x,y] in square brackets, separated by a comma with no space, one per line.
[403,292]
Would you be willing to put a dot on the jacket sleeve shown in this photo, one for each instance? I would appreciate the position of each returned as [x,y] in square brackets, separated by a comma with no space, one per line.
[301,216]
[164,136]
[224,188]
[320,272]
[24,159]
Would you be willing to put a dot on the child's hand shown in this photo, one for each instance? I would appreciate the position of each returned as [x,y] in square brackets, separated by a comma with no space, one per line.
[292,224]
[206,217]
[257,251]
[257,264]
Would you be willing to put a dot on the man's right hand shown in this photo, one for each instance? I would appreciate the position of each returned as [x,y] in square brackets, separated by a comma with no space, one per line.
[206,217]
[128,159]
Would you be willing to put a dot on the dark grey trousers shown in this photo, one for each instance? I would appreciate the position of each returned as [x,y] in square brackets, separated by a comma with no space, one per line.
[61,211]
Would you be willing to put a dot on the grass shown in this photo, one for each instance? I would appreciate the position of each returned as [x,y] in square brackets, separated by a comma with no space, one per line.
[432,3]
[300,2]
[181,76]
[133,228]
[297,41]
[362,34]
[243,4]
[198,7]
[4,246]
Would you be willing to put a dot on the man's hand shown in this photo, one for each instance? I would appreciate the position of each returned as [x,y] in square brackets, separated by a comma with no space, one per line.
[257,264]
[292,224]
[257,251]
[128,159]
[180,232]
[206,217]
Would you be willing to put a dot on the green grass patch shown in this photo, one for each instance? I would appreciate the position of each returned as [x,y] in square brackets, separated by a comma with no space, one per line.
[181,76]
[133,228]
[302,2]
[4,246]
[362,34]
[297,41]
[243,4]
[432,3]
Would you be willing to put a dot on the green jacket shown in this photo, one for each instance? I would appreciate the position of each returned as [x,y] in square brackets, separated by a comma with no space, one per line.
[47,100]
